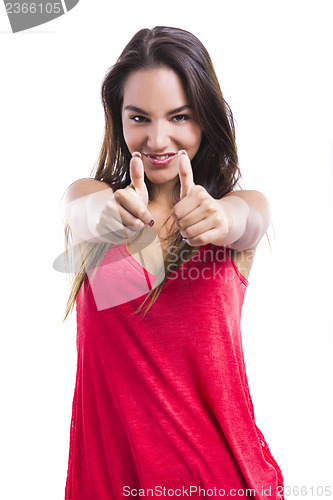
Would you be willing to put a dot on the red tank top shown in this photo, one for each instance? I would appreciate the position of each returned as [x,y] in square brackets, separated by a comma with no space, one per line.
[162,402]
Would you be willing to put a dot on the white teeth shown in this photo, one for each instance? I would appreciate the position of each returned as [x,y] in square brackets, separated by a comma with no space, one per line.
[164,157]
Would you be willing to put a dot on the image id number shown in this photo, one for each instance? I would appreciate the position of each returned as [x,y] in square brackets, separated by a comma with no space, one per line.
[303,491]
[33,8]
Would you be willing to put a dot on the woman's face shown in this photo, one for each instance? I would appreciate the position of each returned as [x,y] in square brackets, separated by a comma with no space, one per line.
[158,120]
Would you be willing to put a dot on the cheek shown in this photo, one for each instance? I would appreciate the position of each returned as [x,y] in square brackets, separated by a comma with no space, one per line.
[131,136]
[192,136]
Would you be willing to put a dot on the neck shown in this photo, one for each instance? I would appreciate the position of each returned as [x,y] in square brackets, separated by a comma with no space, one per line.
[165,195]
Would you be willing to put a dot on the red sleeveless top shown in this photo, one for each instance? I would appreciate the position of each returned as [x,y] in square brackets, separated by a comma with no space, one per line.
[161,404]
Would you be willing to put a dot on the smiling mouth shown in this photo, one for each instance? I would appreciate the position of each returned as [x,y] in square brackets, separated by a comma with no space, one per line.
[161,160]
[160,157]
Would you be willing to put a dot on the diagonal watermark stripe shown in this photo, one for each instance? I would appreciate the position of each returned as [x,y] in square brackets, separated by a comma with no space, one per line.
[118,278]
[71,261]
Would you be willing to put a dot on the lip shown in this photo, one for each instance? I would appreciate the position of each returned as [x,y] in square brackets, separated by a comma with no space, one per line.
[155,160]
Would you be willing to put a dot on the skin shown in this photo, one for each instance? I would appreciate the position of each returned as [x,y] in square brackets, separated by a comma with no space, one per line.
[158,92]
[238,220]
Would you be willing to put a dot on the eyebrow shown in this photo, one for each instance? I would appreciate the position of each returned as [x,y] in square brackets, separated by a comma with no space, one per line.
[139,110]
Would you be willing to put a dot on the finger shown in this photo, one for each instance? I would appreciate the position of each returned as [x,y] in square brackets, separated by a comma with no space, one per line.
[185,174]
[130,204]
[116,215]
[137,174]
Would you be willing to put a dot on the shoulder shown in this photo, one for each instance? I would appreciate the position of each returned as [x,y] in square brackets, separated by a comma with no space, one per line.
[254,199]
[83,187]
[247,194]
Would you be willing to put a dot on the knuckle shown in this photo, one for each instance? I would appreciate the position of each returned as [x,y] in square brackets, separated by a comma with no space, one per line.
[176,213]
[209,205]
[141,212]
[217,219]
[202,194]
[213,208]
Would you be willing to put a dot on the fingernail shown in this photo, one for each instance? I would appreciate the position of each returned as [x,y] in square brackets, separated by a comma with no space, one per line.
[151,223]
[136,153]
[184,239]
[182,152]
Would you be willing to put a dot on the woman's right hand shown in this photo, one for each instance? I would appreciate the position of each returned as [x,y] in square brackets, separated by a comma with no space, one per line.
[126,213]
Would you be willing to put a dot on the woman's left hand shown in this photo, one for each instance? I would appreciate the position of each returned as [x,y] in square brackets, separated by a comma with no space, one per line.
[200,218]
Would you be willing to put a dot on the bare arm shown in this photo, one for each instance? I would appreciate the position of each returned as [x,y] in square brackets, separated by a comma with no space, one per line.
[83,202]
[96,214]
[248,214]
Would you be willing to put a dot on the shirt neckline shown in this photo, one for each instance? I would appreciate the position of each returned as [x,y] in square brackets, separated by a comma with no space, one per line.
[125,252]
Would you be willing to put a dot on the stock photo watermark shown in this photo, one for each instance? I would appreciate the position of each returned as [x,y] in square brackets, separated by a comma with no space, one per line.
[186,492]
[123,263]
[25,15]
[119,277]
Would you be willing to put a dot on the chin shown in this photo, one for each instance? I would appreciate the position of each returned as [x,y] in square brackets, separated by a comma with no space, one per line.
[161,179]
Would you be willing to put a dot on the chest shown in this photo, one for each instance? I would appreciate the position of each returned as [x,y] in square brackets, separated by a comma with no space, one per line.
[153,246]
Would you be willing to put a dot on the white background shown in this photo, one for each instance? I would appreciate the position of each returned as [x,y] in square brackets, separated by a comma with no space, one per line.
[274,63]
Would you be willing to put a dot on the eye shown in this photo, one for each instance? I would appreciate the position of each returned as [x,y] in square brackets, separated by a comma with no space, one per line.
[138,118]
[180,118]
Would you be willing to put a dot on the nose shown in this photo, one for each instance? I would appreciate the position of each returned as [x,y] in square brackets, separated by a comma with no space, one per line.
[158,137]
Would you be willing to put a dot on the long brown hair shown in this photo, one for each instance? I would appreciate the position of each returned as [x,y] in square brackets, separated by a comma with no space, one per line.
[215,166]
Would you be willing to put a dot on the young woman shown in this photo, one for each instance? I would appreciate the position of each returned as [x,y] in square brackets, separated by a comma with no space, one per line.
[161,404]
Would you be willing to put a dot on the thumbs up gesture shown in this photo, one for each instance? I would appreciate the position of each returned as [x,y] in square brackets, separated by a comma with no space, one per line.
[200,218]
[127,212]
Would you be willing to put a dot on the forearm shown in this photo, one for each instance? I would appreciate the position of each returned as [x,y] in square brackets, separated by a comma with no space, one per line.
[248,217]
